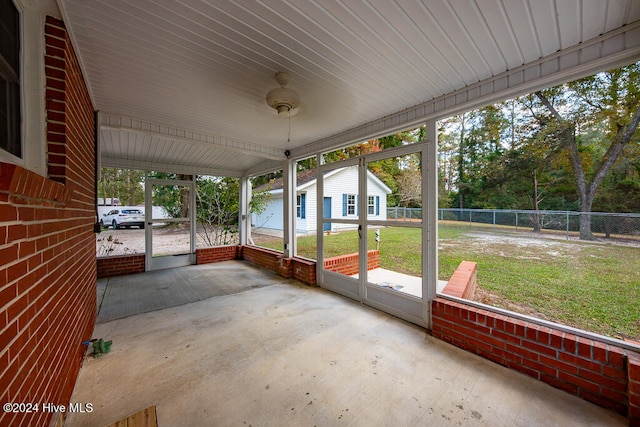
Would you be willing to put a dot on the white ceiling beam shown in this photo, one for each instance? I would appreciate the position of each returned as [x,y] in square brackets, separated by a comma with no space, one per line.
[113,162]
[118,122]
[265,167]
[610,50]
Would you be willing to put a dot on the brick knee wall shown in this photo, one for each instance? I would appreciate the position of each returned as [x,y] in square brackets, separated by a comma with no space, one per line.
[304,271]
[47,247]
[263,257]
[216,254]
[590,369]
[297,268]
[119,265]
[633,372]
[348,264]
[462,283]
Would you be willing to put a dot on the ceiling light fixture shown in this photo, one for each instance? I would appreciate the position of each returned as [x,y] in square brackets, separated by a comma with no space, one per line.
[282,99]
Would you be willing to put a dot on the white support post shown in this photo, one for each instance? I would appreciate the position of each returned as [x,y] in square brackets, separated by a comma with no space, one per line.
[363,259]
[244,220]
[319,221]
[193,217]
[289,207]
[430,220]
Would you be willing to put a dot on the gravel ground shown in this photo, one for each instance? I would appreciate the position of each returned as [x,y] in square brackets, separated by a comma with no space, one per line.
[131,241]
[165,241]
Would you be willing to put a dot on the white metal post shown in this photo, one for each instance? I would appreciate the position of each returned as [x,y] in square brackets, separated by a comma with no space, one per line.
[192,218]
[430,220]
[289,207]
[363,259]
[244,218]
[319,221]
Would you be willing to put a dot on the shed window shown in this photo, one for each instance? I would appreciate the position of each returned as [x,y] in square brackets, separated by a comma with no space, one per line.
[371,205]
[301,205]
[351,204]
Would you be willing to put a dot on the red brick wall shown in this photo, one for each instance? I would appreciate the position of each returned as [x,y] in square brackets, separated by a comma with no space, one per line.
[348,264]
[263,257]
[633,372]
[304,271]
[462,283]
[216,254]
[111,266]
[587,368]
[297,268]
[47,248]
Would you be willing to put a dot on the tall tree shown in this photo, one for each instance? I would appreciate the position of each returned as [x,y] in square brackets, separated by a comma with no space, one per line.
[611,98]
[122,184]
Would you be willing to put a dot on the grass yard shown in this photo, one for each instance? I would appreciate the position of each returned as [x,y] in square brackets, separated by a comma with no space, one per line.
[591,286]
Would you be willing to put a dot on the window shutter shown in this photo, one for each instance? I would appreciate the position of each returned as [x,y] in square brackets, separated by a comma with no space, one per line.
[377,205]
[303,198]
[357,205]
[344,205]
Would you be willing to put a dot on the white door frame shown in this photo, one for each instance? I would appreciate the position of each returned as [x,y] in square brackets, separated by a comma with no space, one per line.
[408,307]
[159,262]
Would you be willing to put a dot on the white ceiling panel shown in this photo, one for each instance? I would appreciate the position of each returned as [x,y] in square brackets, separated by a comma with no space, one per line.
[196,73]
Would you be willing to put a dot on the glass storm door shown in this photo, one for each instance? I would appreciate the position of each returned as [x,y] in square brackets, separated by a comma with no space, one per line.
[364,254]
[170,223]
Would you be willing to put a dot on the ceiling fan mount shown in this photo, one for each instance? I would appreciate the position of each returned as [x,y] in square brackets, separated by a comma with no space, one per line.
[283,99]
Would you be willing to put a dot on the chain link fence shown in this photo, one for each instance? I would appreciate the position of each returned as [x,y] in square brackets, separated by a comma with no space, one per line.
[567,223]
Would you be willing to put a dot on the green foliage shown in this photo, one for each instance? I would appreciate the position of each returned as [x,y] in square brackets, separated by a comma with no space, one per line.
[399,174]
[122,184]
[217,203]
[556,149]
[217,208]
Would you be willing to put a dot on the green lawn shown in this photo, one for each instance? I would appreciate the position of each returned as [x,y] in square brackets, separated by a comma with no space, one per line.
[595,287]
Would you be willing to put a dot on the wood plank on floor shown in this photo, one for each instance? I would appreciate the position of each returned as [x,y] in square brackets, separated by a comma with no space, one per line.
[145,418]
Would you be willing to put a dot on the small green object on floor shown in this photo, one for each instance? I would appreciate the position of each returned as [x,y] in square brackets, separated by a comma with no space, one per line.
[101,347]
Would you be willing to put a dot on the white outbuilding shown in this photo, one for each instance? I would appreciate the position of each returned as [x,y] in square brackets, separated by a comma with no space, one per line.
[340,200]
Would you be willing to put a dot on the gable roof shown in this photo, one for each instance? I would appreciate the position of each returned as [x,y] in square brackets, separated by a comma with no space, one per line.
[308,178]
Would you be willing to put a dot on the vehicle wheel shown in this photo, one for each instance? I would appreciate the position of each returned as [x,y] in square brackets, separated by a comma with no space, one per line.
[114,225]
[101,223]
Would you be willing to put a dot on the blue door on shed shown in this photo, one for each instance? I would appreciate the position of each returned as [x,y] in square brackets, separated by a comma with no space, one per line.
[326,213]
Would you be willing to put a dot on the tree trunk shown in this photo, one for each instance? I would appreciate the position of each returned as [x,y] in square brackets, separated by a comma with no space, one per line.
[184,197]
[536,216]
[587,190]
[585,217]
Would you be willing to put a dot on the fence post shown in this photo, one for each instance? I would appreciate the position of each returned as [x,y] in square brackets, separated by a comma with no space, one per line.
[516,221]
[469,217]
[567,213]
[494,220]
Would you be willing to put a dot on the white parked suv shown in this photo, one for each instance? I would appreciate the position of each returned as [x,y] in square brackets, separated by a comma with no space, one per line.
[123,217]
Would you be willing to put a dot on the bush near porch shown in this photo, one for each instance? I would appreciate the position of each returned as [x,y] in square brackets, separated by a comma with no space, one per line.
[591,286]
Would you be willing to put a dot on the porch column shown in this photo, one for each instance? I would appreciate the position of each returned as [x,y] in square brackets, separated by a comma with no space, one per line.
[430,220]
[244,219]
[289,208]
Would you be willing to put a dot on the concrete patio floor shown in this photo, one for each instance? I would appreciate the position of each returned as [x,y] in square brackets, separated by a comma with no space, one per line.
[285,354]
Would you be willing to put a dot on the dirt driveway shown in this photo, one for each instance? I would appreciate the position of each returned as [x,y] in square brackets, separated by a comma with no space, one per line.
[132,241]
